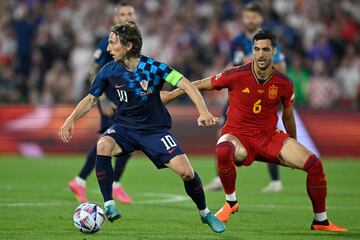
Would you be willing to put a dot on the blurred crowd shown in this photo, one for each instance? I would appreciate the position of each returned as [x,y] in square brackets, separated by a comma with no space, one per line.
[46,46]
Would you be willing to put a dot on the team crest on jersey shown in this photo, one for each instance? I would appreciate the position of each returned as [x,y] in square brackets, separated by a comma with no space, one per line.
[273,90]
[144,84]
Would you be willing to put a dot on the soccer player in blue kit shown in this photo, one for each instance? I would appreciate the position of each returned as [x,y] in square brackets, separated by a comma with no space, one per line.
[142,121]
[123,12]
[241,53]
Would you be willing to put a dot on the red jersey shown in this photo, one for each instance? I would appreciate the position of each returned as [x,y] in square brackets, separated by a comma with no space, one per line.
[253,106]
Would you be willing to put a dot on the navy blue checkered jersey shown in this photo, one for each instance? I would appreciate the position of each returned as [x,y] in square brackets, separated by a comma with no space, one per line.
[137,93]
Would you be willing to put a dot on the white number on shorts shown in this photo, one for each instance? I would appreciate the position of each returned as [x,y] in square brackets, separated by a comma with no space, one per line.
[122,95]
[168,142]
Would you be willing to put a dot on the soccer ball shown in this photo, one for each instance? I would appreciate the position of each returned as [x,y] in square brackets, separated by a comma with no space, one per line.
[88,218]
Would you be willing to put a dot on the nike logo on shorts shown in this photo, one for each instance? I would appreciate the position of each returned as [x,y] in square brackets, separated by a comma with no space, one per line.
[171,150]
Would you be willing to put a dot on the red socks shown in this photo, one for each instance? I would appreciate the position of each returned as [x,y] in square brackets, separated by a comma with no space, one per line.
[225,152]
[316,183]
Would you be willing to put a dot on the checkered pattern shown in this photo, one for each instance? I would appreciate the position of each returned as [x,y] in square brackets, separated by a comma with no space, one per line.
[155,70]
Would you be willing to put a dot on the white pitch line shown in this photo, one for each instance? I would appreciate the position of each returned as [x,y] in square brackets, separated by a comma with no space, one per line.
[170,198]
[34,204]
[167,198]
[162,199]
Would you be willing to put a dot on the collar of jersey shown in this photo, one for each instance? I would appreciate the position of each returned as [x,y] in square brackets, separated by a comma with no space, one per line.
[257,80]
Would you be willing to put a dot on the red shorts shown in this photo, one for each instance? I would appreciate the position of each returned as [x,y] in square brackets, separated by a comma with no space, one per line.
[261,146]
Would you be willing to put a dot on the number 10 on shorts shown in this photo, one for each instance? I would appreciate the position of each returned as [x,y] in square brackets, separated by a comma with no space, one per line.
[169,142]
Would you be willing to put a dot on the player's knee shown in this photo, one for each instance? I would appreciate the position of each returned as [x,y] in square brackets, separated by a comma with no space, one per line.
[225,153]
[240,153]
[105,146]
[313,166]
[187,174]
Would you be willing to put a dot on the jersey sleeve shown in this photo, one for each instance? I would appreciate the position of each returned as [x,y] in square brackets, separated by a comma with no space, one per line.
[99,84]
[223,79]
[100,55]
[289,98]
[169,74]
[279,56]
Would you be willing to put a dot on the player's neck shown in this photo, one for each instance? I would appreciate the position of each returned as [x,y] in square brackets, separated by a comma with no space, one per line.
[263,74]
[250,34]
[131,63]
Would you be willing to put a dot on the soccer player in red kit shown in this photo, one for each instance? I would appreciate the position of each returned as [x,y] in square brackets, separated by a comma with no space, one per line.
[255,91]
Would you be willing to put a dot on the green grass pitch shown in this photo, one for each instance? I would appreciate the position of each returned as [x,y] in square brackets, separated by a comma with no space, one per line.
[36,204]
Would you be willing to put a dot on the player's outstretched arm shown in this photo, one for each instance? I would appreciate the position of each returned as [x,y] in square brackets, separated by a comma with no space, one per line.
[289,121]
[84,106]
[203,84]
[205,118]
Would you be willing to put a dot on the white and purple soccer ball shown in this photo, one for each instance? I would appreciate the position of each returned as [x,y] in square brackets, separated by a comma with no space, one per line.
[88,218]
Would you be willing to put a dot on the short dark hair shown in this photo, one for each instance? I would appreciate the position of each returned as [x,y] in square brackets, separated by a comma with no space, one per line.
[123,4]
[254,7]
[265,34]
[129,32]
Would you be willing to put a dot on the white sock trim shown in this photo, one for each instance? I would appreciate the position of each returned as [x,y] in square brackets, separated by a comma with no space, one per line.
[276,181]
[204,212]
[231,197]
[116,184]
[320,216]
[80,181]
[110,202]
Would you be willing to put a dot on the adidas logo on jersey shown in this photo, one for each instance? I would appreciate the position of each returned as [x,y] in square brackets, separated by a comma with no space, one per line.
[246,90]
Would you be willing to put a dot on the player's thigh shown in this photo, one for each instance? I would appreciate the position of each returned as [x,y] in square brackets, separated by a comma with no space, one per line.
[161,147]
[107,145]
[181,166]
[294,154]
[120,140]
[240,150]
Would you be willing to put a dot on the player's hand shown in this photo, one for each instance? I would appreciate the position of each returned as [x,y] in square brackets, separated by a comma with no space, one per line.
[66,131]
[207,120]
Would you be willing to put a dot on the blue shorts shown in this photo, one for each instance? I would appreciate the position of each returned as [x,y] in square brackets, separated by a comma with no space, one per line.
[159,145]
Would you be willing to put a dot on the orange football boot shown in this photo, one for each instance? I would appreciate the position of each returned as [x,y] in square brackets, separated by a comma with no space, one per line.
[224,213]
[331,227]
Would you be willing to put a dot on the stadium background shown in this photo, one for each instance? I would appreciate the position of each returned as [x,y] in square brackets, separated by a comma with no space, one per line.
[46,48]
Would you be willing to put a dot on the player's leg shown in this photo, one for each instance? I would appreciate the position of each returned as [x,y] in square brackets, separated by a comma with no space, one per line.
[295,155]
[78,184]
[275,184]
[118,191]
[193,187]
[107,147]
[215,183]
[229,150]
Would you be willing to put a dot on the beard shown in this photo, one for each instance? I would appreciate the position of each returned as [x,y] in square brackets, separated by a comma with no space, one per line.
[264,66]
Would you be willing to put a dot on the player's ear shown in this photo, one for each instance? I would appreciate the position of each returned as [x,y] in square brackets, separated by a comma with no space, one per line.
[129,46]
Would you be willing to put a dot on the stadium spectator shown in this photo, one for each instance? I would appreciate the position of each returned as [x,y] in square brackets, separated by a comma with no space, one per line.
[52,27]
[301,77]
[323,92]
